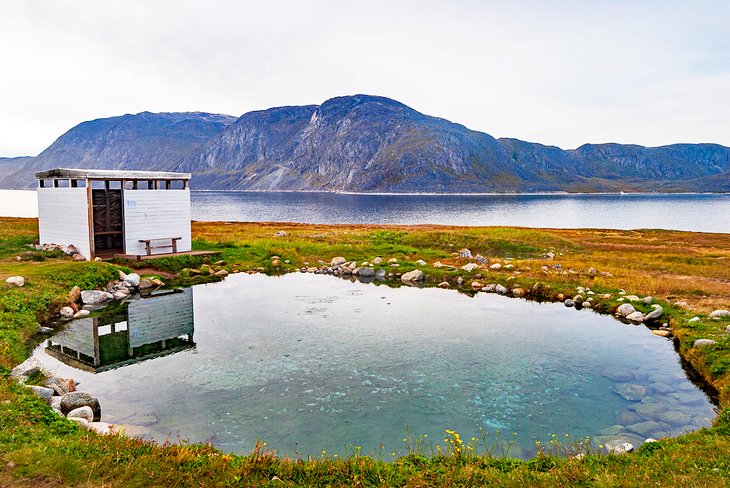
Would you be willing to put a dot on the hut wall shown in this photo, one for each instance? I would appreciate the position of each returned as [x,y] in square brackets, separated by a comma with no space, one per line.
[63,217]
[156,214]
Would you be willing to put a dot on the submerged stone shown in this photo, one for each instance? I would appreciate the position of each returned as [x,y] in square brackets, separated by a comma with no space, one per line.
[662,388]
[645,428]
[675,417]
[618,374]
[612,430]
[631,392]
[648,410]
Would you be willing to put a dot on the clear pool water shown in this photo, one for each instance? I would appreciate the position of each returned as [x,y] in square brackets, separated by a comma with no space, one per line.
[310,363]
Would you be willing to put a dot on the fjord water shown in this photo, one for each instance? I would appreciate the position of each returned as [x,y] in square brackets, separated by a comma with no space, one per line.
[690,212]
[310,363]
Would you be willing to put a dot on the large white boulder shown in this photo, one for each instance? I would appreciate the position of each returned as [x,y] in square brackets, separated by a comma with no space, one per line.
[338,261]
[654,314]
[626,309]
[415,275]
[132,279]
[15,281]
[94,297]
[635,316]
[26,369]
[66,312]
[84,412]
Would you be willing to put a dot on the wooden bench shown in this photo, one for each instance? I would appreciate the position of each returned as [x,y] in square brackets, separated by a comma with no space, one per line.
[149,247]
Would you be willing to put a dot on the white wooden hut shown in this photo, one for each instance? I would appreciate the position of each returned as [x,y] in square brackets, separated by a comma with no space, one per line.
[105,212]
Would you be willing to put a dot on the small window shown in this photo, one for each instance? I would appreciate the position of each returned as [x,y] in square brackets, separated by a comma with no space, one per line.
[177,185]
[130,185]
[62,183]
[97,184]
[41,183]
[150,185]
[78,183]
[115,185]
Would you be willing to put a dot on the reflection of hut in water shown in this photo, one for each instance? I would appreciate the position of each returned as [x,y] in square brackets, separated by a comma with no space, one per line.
[147,328]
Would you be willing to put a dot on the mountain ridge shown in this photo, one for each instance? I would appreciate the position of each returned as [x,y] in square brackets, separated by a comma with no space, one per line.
[365,143]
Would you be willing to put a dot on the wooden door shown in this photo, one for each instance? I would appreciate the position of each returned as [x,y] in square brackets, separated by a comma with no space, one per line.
[108,220]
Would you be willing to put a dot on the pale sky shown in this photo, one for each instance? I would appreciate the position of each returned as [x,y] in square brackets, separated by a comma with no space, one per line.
[555,72]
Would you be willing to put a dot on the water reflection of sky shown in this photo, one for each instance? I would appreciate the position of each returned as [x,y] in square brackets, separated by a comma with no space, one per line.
[308,362]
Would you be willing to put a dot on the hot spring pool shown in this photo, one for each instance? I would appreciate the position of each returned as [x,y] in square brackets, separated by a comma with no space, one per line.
[310,363]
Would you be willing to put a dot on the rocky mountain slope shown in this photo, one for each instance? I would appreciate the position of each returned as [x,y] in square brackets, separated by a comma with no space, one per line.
[367,143]
[358,143]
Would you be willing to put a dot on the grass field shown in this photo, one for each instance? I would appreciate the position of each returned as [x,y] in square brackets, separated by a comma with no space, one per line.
[40,449]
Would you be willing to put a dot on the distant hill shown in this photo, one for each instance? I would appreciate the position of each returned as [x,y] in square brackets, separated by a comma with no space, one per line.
[140,141]
[368,143]
[8,169]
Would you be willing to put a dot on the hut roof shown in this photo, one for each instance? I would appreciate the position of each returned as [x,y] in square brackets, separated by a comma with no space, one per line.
[111,174]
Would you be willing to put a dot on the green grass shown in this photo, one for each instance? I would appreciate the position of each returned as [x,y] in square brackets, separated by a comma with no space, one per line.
[40,449]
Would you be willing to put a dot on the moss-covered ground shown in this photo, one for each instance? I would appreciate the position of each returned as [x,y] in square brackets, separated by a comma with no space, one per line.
[38,448]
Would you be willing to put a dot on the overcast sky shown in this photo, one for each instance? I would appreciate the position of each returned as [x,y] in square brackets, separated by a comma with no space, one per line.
[561,72]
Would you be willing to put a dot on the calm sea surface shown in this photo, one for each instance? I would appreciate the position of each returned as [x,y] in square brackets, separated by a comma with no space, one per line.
[693,212]
[309,362]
